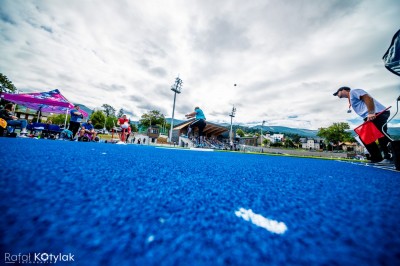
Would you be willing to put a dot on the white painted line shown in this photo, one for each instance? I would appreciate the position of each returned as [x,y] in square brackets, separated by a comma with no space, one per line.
[171,148]
[185,149]
[259,220]
[200,149]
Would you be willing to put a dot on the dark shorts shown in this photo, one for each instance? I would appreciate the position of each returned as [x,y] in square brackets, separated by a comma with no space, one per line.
[74,127]
[200,124]
[375,150]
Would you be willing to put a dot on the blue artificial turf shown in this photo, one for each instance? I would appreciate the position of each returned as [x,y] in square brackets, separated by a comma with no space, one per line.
[138,205]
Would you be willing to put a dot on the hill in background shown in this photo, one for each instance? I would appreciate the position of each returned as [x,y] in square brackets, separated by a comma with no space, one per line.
[176,121]
[287,130]
[393,131]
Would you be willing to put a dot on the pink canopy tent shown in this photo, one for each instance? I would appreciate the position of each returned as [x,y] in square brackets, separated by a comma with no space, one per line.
[50,102]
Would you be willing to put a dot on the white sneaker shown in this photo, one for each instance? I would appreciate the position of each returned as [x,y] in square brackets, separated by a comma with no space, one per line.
[385,161]
[24,131]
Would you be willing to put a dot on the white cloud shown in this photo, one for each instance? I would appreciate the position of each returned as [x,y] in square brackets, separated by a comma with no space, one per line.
[286,57]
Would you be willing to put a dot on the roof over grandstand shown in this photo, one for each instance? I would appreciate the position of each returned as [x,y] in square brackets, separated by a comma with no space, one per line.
[211,128]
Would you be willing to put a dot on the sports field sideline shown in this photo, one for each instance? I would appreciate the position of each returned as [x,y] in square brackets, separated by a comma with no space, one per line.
[106,204]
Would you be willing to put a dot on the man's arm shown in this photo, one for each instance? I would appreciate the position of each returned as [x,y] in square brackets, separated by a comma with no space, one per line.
[77,113]
[192,114]
[369,102]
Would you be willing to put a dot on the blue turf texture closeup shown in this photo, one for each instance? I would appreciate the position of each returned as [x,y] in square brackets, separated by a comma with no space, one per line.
[139,205]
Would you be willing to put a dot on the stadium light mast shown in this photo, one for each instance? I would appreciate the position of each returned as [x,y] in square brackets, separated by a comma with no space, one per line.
[232,115]
[263,123]
[176,88]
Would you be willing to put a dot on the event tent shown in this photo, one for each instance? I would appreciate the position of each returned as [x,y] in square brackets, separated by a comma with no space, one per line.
[50,102]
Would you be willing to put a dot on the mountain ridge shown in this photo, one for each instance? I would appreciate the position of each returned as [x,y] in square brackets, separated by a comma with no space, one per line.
[310,133]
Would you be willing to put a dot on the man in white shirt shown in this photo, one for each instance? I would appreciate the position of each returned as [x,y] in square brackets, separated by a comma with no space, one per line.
[368,108]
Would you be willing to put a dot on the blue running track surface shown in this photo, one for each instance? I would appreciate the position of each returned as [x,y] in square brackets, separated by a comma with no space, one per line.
[107,204]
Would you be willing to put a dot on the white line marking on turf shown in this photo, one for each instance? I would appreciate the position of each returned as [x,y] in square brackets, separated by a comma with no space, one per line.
[171,148]
[183,149]
[200,149]
[259,220]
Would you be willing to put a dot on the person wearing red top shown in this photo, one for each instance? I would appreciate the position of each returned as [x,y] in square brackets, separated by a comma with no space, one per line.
[123,122]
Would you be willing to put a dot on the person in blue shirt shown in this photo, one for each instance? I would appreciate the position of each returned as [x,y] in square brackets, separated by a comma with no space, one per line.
[367,107]
[75,121]
[87,128]
[199,122]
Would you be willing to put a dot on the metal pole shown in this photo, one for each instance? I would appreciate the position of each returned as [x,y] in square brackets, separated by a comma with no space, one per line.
[232,115]
[176,89]
[66,116]
[261,140]
[39,114]
[172,121]
[231,133]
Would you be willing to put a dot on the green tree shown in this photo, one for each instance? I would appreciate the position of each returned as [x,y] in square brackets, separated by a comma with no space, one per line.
[108,110]
[111,122]
[289,143]
[134,128]
[58,119]
[266,142]
[153,117]
[276,144]
[167,126]
[98,119]
[335,133]
[6,85]
[294,137]
[120,112]
[240,132]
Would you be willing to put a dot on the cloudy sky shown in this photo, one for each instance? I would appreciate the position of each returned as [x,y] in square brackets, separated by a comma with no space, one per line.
[286,57]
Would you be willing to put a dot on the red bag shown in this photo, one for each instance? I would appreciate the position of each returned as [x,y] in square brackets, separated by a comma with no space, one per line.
[368,132]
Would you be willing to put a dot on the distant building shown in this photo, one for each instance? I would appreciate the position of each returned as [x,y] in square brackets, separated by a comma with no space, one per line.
[29,114]
[274,138]
[352,147]
[248,141]
[153,132]
[311,143]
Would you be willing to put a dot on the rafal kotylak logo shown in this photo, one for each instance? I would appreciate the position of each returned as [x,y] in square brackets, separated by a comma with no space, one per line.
[37,258]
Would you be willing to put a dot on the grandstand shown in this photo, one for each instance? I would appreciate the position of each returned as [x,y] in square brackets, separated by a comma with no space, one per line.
[212,132]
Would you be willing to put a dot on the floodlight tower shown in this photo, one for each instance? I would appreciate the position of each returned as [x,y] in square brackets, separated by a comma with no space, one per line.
[176,88]
[232,115]
[263,123]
